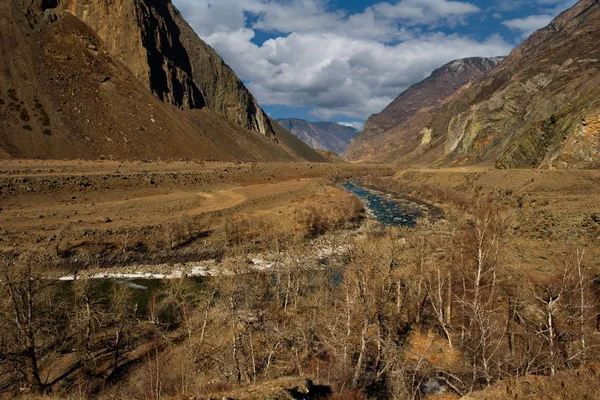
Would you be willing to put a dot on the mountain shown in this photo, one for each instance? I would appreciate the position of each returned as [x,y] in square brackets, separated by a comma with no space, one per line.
[124,79]
[328,136]
[538,109]
[394,131]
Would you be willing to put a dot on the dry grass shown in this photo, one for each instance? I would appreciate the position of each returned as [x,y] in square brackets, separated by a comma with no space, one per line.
[279,229]
[581,384]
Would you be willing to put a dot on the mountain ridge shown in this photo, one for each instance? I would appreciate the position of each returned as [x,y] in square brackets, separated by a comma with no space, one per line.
[540,108]
[114,79]
[417,100]
[327,136]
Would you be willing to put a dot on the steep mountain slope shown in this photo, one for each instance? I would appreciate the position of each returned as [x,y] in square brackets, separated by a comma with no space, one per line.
[393,131]
[328,136]
[539,108]
[100,78]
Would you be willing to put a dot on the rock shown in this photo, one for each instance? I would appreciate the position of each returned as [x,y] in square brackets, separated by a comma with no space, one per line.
[138,53]
[381,137]
[104,220]
[183,59]
[595,217]
[538,108]
[434,386]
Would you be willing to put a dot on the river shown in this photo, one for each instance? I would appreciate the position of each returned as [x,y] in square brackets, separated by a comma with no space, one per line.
[380,207]
[384,209]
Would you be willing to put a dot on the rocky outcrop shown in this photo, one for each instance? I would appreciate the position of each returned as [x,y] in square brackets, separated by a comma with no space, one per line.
[114,79]
[538,109]
[328,136]
[388,132]
[154,41]
[279,389]
[223,91]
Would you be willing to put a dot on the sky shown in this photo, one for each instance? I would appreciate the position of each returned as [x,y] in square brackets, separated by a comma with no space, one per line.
[343,60]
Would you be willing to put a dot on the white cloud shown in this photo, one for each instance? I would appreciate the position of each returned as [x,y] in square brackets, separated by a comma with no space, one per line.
[337,65]
[415,12]
[529,24]
[380,21]
[543,12]
[341,76]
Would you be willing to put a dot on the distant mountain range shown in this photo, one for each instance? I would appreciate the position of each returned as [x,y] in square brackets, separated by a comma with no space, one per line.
[93,79]
[538,108]
[329,136]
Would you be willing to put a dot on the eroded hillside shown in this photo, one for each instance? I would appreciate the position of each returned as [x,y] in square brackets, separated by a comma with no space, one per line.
[124,80]
[539,108]
[403,126]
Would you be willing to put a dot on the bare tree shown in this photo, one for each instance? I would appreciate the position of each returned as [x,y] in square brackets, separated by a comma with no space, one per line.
[483,333]
[26,315]
[580,302]
[439,287]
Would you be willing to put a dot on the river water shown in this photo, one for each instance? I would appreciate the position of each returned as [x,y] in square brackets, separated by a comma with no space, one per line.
[401,212]
[387,211]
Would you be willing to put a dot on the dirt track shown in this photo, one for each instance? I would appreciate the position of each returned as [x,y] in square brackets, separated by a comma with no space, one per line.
[40,200]
[136,207]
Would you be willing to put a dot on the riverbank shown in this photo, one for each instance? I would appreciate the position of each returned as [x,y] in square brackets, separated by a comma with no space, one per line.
[110,214]
[551,212]
[312,255]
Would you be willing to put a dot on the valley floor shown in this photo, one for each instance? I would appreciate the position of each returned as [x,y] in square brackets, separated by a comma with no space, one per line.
[551,212]
[105,215]
[99,206]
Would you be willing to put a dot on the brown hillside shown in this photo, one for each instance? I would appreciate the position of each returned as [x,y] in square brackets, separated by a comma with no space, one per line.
[394,131]
[69,91]
[539,108]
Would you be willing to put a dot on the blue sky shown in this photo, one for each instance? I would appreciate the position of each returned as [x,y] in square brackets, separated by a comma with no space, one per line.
[340,60]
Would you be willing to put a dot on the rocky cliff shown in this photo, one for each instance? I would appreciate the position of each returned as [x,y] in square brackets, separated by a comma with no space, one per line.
[153,39]
[393,131]
[328,136]
[124,79]
[538,108]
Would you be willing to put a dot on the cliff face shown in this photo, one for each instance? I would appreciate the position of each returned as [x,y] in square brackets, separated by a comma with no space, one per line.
[223,91]
[540,108]
[389,132]
[155,42]
[328,136]
[114,79]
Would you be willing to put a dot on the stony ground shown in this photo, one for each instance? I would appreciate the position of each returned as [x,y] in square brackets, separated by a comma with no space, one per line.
[108,208]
